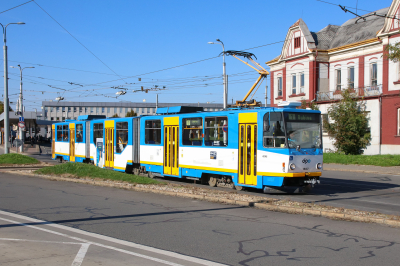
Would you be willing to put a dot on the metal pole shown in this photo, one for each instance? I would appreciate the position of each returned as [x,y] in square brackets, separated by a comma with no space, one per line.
[21,109]
[6,108]
[156,102]
[6,102]
[266,95]
[224,74]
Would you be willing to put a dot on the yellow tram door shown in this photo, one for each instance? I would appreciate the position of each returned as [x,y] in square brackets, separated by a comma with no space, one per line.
[109,144]
[72,142]
[248,149]
[171,146]
[53,141]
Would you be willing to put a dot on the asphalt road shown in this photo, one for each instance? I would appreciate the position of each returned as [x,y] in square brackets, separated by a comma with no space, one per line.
[222,233]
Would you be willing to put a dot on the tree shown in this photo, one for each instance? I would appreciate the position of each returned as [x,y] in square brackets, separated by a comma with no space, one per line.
[392,52]
[115,115]
[2,107]
[312,105]
[131,113]
[350,123]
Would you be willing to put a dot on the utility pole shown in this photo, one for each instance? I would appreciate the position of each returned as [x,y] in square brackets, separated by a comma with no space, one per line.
[225,94]
[266,95]
[6,101]
[21,108]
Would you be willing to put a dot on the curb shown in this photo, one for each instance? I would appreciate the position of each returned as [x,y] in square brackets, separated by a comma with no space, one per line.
[264,206]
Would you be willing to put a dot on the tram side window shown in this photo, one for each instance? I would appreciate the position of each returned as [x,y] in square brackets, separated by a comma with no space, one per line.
[274,131]
[192,131]
[97,131]
[79,133]
[59,133]
[216,131]
[153,132]
[121,136]
[65,133]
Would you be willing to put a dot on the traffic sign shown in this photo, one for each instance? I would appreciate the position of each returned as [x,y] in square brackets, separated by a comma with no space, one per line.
[21,119]
[21,124]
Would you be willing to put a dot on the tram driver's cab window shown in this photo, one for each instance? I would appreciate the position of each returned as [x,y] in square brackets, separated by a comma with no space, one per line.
[192,133]
[274,131]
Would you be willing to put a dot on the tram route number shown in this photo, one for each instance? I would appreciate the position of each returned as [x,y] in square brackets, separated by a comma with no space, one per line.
[213,155]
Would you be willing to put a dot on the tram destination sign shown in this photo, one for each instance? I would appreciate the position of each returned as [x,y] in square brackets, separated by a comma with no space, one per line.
[302,117]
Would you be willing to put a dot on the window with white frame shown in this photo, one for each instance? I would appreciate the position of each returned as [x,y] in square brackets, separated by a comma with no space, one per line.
[350,78]
[338,79]
[302,82]
[294,84]
[279,86]
[398,122]
[374,74]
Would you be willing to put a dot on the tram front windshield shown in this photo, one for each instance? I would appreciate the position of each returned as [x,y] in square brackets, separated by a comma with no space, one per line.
[303,129]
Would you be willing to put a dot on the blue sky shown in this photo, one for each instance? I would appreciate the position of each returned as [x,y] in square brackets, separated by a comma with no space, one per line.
[137,37]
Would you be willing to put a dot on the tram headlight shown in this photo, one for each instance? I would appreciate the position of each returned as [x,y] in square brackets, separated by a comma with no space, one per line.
[292,166]
[319,166]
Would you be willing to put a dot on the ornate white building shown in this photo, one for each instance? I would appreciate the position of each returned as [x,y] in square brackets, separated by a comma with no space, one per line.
[317,66]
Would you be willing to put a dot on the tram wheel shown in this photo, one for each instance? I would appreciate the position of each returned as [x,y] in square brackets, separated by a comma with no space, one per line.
[136,171]
[60,159]
[150,175]
[239,188]
[212,181]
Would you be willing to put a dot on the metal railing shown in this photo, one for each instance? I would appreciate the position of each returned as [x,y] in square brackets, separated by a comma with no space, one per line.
[356,92]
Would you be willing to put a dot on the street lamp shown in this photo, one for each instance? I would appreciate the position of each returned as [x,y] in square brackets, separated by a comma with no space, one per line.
[6,108]
[224,72]
[21,108]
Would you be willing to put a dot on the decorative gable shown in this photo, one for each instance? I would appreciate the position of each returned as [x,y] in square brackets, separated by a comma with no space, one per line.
[392,24]
[298,41]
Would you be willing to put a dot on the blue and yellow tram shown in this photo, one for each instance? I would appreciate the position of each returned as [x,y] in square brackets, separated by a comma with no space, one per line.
[261,148]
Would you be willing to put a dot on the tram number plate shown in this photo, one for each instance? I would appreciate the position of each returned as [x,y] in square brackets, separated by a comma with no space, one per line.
[312,181]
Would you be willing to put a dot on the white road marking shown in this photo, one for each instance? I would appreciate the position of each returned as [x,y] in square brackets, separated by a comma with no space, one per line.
[81,255]
[110,239]
[40,241]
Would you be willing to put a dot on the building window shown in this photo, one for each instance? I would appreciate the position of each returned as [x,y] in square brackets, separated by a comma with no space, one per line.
[97,131]
[216,131]
[120,109]
[69,109]
[351,78]
[115,110]
[57,119]
[325,120]
[398,122]
[51,109]
[108,110]
[52,119]
[374,75]
[301,82]
[296,42]
[152,132]
[97,110]
[91,109]
[57,109]
[338,79]
[294,84]
[103,110]
[148,110]
[86,109]
[122,136]
[80,109]
[63,109]
[192,131]
[79,132]
[279,86]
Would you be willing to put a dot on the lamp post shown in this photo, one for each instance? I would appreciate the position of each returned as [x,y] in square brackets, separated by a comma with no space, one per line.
[6,108]
[224,71]
[21,107]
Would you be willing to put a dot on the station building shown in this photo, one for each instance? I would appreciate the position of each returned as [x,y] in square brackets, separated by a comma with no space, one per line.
[317,66]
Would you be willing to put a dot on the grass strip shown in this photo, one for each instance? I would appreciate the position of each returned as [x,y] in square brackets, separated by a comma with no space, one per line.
[377,160]
[15,158]
[80,170]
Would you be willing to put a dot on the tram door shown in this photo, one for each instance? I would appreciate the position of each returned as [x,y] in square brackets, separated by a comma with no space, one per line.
[72,142]
[109,144]
[171,146]
[53,141]
[248,152]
